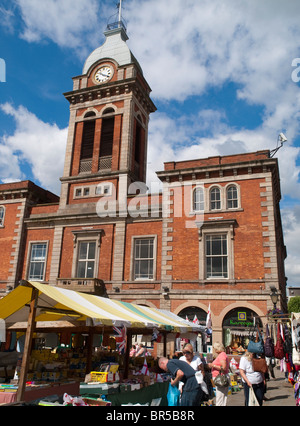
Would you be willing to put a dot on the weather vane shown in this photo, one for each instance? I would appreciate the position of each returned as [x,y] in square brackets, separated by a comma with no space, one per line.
[117,21]
[119,6]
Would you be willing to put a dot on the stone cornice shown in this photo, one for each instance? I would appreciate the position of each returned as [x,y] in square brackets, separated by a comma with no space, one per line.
[213,168]
[109,90]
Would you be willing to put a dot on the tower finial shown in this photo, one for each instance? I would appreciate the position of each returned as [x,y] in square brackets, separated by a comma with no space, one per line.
[117,21]
[120,11]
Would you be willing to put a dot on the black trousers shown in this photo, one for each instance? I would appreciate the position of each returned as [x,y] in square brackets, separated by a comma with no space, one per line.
[259,391]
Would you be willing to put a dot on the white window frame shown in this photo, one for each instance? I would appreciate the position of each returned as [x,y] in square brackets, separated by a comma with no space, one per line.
[86,260]
[218,201]
[220,227]
[211,256]
[29,261]
[238,198]
[2,217]
[195,190]
[88,236]
[93,191]
[133,243]
[207,201]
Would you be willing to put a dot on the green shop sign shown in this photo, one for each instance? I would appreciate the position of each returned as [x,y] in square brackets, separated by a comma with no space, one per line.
[237,318]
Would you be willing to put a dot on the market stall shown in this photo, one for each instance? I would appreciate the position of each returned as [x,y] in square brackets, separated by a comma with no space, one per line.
[37,307]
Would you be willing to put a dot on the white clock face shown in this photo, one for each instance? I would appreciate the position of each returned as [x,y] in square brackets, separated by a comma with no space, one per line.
[103,74]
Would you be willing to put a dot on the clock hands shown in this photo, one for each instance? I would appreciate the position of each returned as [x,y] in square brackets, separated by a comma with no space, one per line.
[103,74]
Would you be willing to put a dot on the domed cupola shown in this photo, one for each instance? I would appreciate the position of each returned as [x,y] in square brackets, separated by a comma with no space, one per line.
[114,47]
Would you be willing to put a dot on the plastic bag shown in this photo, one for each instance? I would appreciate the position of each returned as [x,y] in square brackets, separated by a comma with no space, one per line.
[252,399]
[75,402]
[200,379]
[234,366]
[173,396]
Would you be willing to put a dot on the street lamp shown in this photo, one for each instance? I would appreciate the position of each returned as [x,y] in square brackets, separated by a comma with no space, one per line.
[274,296]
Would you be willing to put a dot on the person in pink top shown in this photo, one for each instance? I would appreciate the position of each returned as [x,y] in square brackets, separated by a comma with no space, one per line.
[220,363]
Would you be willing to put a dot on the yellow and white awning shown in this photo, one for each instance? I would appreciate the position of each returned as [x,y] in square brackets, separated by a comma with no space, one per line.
[55,303]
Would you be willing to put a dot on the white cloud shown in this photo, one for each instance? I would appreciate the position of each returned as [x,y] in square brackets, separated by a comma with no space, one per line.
[41,145]
[7,16]
[9,165]
[175,140]
[195,44]
[68,23]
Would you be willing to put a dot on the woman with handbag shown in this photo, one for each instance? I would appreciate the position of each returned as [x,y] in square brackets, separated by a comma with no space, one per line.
[251,379]
[220,369]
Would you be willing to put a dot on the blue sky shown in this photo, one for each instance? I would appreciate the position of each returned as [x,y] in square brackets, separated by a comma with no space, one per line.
[220,73]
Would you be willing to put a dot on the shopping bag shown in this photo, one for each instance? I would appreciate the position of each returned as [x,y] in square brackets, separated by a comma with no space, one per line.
[260,365]
[252,399]
[200,379]
[173,396]
[278,349]
[269,344]
[256,344]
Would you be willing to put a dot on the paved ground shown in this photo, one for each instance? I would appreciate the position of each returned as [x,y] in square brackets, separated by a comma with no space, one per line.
[279,393]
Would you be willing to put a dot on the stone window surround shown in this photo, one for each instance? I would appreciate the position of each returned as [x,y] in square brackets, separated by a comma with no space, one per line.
[30,244]
[216,227]
[223,192]
[93,190]
[136,237]
[87,235]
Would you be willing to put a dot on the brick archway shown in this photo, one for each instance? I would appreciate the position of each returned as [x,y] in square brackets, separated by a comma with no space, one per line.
[235,305]
[218,324]
[196,305]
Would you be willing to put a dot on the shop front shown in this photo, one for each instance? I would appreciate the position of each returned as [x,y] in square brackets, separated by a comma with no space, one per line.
[238,324]
[203,342]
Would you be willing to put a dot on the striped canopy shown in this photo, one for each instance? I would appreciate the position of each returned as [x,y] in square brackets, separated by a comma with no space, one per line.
[55,303]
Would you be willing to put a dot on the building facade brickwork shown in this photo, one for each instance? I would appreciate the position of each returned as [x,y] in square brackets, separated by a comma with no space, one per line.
[212,237]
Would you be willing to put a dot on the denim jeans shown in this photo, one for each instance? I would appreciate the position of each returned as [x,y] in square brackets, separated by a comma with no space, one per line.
[191,398]
[259,391]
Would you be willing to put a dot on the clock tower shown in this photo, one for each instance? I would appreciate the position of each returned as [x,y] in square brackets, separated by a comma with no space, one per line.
[110,107]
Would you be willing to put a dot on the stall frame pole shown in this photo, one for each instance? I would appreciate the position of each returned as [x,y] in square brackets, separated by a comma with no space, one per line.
[28,344]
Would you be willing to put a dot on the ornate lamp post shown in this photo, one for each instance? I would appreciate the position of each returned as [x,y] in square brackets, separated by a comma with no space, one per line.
[274,297]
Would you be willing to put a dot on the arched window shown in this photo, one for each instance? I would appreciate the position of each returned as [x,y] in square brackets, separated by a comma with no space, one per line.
[87,145]
[90,114]
[215,199]
[108,111]
[106,143]
[232,197]
[107,137]
[191,312]
[198,199]
[2,211]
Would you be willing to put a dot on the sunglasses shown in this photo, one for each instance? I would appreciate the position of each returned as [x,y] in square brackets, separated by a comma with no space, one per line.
[187,353]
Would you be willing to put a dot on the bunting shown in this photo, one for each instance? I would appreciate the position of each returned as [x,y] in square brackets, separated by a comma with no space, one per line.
[208,318]
[145,370]
[195,320]
[120,336]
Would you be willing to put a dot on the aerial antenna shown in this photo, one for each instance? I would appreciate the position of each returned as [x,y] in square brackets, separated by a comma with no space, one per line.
[280,141]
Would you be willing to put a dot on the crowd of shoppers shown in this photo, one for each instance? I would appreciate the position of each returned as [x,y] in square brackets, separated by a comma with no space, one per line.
[194,377]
